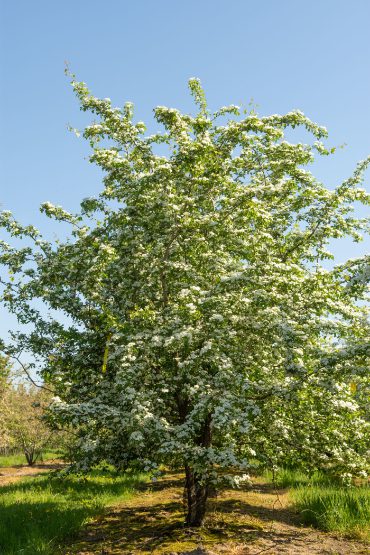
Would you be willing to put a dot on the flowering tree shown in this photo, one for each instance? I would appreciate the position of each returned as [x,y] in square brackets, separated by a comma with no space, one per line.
[203,331]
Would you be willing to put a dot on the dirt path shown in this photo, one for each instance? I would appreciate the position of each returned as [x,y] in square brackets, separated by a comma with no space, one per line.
[11,474]
[243,522]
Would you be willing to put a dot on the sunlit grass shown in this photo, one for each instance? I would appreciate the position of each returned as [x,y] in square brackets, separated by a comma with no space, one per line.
[335,509]
[42,515]
[14,460]
[37,515]
[324,502]
[288,478]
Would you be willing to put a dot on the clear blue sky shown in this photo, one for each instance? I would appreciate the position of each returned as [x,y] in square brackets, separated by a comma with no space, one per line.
[312,55]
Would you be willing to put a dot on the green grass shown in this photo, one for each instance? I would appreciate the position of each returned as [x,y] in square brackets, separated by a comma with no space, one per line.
[335,509]
[38,514]
[292,478]
[325,503]
[14,460]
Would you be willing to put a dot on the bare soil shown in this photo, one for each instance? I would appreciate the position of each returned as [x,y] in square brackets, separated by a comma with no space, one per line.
[258,520]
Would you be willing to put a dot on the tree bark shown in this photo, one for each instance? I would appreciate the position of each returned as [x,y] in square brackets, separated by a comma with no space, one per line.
[30,458]
[197,490]
[197,494]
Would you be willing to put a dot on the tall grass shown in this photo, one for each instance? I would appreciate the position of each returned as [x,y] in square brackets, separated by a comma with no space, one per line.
[37,514]
[336,509]
[324,502]
[292,478]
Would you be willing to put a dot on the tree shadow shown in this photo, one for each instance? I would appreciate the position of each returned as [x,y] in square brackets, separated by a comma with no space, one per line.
[262,487]
[170,481]
[43,510]
[136,527]
[276,512]
[156,526]
[155,523]
[24,526]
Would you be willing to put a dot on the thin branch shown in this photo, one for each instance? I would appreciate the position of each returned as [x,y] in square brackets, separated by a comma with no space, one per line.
[25,370]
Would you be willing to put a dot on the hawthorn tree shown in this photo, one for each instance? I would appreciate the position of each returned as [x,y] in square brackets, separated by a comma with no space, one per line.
[204,330]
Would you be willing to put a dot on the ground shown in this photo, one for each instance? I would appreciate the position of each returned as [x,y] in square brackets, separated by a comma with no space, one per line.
[243,522]
[12,474]
[249,521]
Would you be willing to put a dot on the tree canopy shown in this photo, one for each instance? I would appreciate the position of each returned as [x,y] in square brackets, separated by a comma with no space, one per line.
[205,329]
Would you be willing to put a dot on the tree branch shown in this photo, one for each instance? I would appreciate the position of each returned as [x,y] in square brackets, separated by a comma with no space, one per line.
[29,377]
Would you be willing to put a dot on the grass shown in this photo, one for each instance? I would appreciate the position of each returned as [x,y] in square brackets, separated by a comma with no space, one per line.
[19,459]
[292,478]
[37,515]
[335,509]
[323,502]
[42,515]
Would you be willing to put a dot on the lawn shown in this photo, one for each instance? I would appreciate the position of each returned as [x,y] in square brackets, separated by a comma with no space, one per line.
[43,515]
[37,515]
[19,459]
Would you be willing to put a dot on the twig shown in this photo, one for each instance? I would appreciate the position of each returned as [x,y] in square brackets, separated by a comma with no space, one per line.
[25,370]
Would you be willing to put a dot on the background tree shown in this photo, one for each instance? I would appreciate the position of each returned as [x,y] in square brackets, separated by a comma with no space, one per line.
[206,332]
[22,420]
[4,374]
[5,368]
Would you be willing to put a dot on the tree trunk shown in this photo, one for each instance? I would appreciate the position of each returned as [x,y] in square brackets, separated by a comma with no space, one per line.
[29,458]
[197,494]
[196,489]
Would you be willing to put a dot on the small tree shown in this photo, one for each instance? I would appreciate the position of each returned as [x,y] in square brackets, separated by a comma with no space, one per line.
[206,331]
[22,416]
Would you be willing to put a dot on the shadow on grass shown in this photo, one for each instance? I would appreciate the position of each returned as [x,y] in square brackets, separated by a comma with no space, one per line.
[37,514]
[155,524]
[174,480]
[31,528]
[276,513]
[156,529]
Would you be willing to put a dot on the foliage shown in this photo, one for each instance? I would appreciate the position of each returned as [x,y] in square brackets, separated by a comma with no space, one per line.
[21,416]
[205,329]
[37,514]
[5,369]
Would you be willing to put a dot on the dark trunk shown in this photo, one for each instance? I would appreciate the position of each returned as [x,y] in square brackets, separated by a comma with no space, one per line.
[196,497]
[197,488]
[212,491]
[29,458]
[31,455]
